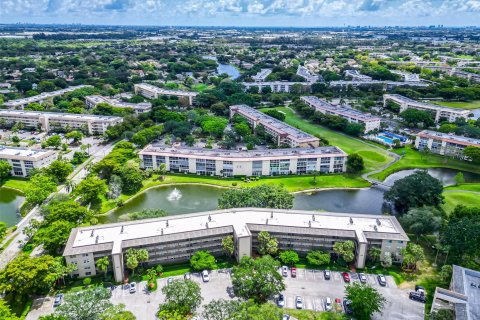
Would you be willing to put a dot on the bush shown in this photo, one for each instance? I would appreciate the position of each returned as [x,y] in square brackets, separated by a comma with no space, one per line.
[234,184]
[159,269]
[87,281]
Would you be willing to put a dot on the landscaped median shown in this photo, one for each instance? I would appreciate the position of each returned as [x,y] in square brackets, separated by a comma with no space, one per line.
[291,184]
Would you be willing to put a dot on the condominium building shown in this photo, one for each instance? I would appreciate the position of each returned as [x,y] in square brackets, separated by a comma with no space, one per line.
[40,98]
[92,101]
[48,121]
[262,75]
[306,74]
[355,75]
[370,122]
[283,133]
[386,85]
[277,86]
[407,76]
[152,92]
[23,160]
[229,163]
[451,114]
[462,297]
[176,238]
[444,143]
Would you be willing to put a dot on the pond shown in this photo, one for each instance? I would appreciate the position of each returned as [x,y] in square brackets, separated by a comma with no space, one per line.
[445,175]
[229,69]
[10,201]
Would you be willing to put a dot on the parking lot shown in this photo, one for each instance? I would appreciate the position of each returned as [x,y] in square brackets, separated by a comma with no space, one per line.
[309,284]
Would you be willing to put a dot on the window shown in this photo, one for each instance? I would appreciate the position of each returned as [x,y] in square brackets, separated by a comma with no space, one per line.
[86,261]
[147,161]
[87,268]
[88,273]
[85,255]
[257,168]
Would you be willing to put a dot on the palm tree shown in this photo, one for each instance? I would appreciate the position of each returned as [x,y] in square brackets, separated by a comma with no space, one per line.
[70,185]
[375,253]
[102,265]
[315,174]
[162,170]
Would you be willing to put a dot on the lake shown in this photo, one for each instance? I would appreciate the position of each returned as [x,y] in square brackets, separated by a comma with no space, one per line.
[229,69]
[10,201]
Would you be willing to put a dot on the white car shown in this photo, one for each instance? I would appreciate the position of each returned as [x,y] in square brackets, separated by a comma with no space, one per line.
[299,302]
[285,271]
[205,276]
[133,287]
[328,304]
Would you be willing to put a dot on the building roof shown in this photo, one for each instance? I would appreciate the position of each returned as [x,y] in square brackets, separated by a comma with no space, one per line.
[274,83]
[24,153]
[342,110]
[102,237]
[118,103]
[262,74]
[271,122]
[462,280]
[57,115]
[237,155]
[449,137]
[42,96]
[166,91]
[403,99]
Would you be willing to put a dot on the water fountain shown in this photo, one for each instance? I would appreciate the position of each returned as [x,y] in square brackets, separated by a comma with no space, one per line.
[174,195]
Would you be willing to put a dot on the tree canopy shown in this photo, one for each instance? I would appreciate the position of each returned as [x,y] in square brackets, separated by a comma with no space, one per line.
[263,196]
[365,300]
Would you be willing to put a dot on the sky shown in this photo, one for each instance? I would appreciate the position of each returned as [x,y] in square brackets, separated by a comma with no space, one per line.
[269,13]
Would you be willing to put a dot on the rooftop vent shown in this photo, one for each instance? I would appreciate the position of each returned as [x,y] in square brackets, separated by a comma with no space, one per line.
[379,222]
[91,234]
[309,224]
[351,220]
[209,218]
[166,223]
[206,225]
[375,228]
[162,231]
[271,215]
[96,239]
[121,230]
[313,217]
[266,222]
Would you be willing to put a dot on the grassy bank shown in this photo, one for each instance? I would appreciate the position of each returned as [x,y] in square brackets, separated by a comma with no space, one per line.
[470,105]
[412,159]
[464,194]
[291,183]
[374,157]
[15,183]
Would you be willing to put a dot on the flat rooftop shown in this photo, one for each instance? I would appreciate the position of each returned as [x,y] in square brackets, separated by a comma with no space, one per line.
[245,155]
[166,91]
[262,74]
[118,103]
[450,137]
[68,116]
[398,97]
[343,110]
[13,152]
[280,126]
[274,83]
[462,281]
[43,95]
[85,239]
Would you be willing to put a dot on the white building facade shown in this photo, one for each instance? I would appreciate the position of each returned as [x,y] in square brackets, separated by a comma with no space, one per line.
[94,100]
[444,143]
[152,92]
[24,160]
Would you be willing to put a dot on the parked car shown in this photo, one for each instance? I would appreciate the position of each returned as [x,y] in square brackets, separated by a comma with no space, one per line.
[346,276]
[420,289]
[299,302]
[285,271]
[362,277]
[286,317]
[417,297]
[347,305]
[293,271]
[327,274]
[338,305]
[328,304]
[133,287]
[382,280]
[169,280]
[187,276]
[281,300]
[205,276]
[58,300]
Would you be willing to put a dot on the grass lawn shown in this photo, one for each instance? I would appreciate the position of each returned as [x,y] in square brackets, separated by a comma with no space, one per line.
[291,183]
[374,157]
[414,159]
[469,105]
[200,87]
[466,186]
[452,199]
[16,183]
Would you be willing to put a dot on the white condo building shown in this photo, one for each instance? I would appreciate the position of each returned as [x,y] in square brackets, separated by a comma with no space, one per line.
[23,160]
[444,143]
[306,74]
[176,238]
[92,101]
[40,98]
[275,86]
[451,114]
[262,75]
[355,75]
[370,122]
[48,121]
[152,92]
[229,163]
[279,130]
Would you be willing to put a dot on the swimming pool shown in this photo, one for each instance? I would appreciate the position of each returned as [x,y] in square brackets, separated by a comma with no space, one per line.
[392,136]
[385,139]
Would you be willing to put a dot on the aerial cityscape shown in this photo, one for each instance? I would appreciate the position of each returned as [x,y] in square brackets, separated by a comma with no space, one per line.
[245,160]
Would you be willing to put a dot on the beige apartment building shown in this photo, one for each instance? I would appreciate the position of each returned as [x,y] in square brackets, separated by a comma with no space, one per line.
[152,92]
[229,163]
[277,86]
[176,238]
[23,160]
[48,121]
[283,133]
[444,143]
[92,101]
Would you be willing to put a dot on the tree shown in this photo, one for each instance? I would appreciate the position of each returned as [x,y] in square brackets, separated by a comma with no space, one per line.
[257,279]
[182,296]
[289,257]
[422,221]
[413,117]
[267,244]
[5,170]
[75,135]
[54,236]
[416,190]
[91,189]
[202,260]
[345,250]
[412,254]
[459,179]
[86,304]
[5,312]
[131,260]
[102,264]
[355,163]
[131,179]
[445,273]
[222,310]
[387,260]
[54,141]
[318,258]
[242,129]
[60,170]
[365,300]
[375,253]
[472,153]
[117,312]
[39,188]
[442,314]
[228,245]
[263,196]
[214,125]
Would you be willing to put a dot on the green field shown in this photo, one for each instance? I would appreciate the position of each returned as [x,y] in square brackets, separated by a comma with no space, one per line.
[15,183]
[375,157]
[414,159]
[200,87]
[460,105]
[467,194]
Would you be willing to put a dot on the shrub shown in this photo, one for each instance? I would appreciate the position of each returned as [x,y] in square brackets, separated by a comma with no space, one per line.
[234,184]
[87,281]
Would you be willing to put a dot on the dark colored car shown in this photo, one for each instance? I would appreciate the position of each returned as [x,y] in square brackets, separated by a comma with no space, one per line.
[417,297]
[327,274]
[346,276]
[347,305]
